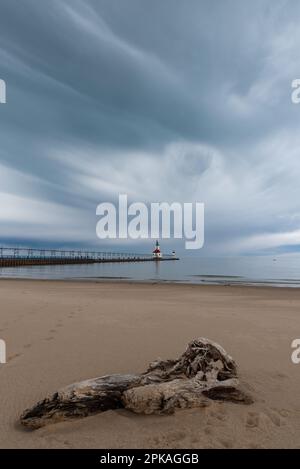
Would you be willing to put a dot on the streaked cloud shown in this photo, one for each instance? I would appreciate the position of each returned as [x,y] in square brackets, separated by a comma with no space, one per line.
[160,100]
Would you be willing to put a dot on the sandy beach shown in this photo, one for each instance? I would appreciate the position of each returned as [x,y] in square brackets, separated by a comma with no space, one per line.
[61,332]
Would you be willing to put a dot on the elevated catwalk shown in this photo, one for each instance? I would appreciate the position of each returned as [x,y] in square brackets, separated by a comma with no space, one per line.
[15,257]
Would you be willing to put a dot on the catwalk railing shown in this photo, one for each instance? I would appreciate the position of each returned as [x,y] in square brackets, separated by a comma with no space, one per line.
[12,257]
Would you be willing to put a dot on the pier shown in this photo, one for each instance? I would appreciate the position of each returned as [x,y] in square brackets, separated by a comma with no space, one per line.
[17,257]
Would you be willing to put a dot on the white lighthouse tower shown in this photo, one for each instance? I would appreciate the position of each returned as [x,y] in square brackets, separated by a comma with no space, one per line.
[157,251]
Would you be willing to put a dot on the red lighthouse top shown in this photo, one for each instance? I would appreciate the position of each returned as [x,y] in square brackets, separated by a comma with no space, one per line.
[157,248]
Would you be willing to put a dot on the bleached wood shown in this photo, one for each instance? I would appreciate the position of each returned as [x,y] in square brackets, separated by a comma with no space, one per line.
[204,371]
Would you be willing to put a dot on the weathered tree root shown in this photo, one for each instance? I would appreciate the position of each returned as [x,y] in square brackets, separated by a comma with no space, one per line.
[204,371]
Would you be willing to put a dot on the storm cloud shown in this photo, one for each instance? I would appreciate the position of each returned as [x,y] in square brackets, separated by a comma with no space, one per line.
[162,100]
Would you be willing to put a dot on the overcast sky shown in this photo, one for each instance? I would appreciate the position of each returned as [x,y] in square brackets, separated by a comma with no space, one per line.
[163,100]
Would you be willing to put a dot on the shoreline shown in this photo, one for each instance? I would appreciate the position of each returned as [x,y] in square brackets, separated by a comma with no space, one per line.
[127,281]
[59,332]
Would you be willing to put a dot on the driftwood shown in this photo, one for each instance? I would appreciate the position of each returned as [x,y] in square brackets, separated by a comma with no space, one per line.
[204,371]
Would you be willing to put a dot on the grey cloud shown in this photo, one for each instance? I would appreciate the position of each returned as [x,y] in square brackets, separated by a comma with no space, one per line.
[170,100]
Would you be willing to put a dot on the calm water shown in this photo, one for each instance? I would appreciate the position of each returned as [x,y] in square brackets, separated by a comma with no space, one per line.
[262,270]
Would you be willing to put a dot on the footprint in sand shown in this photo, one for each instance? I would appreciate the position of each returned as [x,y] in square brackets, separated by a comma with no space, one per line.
[284,413]
[264,419]
[27,345]
[226,443]
[274,417]
[49,338]
[252,420]
[218,413]
[12,357]
[208,430]
[169,439]
[58,442]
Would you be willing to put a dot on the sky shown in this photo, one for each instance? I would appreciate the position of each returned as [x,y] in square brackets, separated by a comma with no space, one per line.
[162,100]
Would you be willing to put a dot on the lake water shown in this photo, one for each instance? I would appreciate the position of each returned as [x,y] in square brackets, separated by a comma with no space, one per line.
[283,270]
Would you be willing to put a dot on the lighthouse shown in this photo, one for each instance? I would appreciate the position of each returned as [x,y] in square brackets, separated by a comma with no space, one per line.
[157,252]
